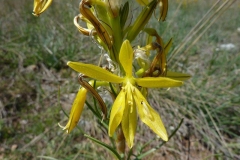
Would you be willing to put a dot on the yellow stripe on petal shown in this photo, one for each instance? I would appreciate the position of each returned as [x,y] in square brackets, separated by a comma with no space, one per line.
[129,119]
[178,76]
[149,116]
[126,57]
[158,82]
[129,125]
[117,112]
[95,72]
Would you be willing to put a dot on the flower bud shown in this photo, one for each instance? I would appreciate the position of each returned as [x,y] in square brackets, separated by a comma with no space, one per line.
[40,6]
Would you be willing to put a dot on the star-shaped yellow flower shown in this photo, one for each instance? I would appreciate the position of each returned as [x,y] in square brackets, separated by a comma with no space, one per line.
[130,100]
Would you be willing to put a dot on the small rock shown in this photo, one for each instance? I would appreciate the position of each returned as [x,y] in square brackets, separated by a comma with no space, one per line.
[23,122]
[238,30]
[171,128]
[226,47]
[31,68]
[14,147]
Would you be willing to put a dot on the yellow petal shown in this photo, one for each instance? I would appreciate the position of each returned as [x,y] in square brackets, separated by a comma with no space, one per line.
[95,72]
[178,76]
[40,6]
[149,116]
[76,110]
[158,82]
[129,119]
[117,112]
[126,57]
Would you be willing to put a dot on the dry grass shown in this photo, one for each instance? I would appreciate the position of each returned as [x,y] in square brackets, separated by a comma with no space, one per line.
[33,53]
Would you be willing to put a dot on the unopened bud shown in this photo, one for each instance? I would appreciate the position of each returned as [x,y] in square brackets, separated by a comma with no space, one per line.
[40,6]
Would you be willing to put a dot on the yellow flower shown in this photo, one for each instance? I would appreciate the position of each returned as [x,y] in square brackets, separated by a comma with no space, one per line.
[130,100]
[76,110]
[40,6]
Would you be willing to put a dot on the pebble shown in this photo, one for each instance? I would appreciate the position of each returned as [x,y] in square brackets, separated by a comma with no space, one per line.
[226,47]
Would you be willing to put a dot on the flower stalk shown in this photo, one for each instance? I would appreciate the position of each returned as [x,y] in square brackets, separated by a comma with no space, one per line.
[138,70]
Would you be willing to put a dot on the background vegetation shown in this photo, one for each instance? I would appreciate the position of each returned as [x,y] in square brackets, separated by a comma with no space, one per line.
[36,85]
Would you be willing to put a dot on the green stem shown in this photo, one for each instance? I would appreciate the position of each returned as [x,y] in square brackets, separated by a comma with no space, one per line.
[159,146]
[117,36]
[118,156]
